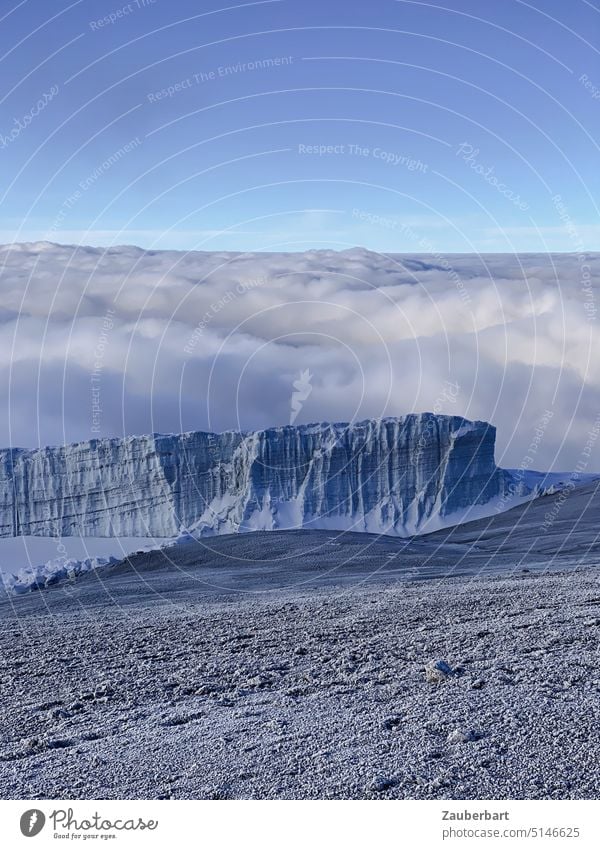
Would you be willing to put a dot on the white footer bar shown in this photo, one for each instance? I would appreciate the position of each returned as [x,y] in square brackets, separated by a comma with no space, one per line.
[283,824]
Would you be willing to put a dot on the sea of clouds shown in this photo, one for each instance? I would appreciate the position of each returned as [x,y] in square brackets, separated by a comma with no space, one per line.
[105,342]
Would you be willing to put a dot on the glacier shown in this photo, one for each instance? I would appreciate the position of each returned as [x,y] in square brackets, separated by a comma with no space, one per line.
[398,476]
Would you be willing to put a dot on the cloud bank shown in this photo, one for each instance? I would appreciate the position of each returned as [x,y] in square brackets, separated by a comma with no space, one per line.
[117,341]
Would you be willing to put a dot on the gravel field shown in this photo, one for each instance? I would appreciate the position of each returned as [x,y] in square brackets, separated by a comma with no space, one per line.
[293,665]
[320,693]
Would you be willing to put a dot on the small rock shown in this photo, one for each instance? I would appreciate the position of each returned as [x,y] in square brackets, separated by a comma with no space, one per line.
[461,736]
[59,744]
[392,722]
[60,713]
[437,671]
[478,684]
[33,745]
[259,682]
[381,783]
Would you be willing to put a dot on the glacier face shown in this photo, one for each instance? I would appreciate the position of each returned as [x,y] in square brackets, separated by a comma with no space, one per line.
[398,476]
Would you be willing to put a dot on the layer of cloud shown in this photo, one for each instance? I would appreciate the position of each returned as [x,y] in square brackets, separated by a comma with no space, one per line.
[120,341]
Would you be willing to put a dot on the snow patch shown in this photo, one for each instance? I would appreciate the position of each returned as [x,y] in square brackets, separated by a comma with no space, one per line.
[39,577]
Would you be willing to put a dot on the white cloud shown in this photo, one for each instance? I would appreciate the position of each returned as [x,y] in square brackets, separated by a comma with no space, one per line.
[173,341]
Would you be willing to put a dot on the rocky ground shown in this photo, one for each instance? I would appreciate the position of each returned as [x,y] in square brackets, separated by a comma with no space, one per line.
[323,691]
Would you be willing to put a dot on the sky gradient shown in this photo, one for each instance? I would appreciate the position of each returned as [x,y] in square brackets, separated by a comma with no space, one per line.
[282,125]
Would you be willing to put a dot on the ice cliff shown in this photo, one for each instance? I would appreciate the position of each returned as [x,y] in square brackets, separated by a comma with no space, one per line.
[396,476]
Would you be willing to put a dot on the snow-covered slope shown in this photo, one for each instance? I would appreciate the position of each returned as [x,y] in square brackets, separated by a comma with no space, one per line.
[395,476]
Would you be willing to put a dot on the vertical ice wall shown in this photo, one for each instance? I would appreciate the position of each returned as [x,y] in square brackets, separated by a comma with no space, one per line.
[388,475]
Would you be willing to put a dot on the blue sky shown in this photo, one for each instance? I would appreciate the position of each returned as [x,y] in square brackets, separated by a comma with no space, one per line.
[286,125]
